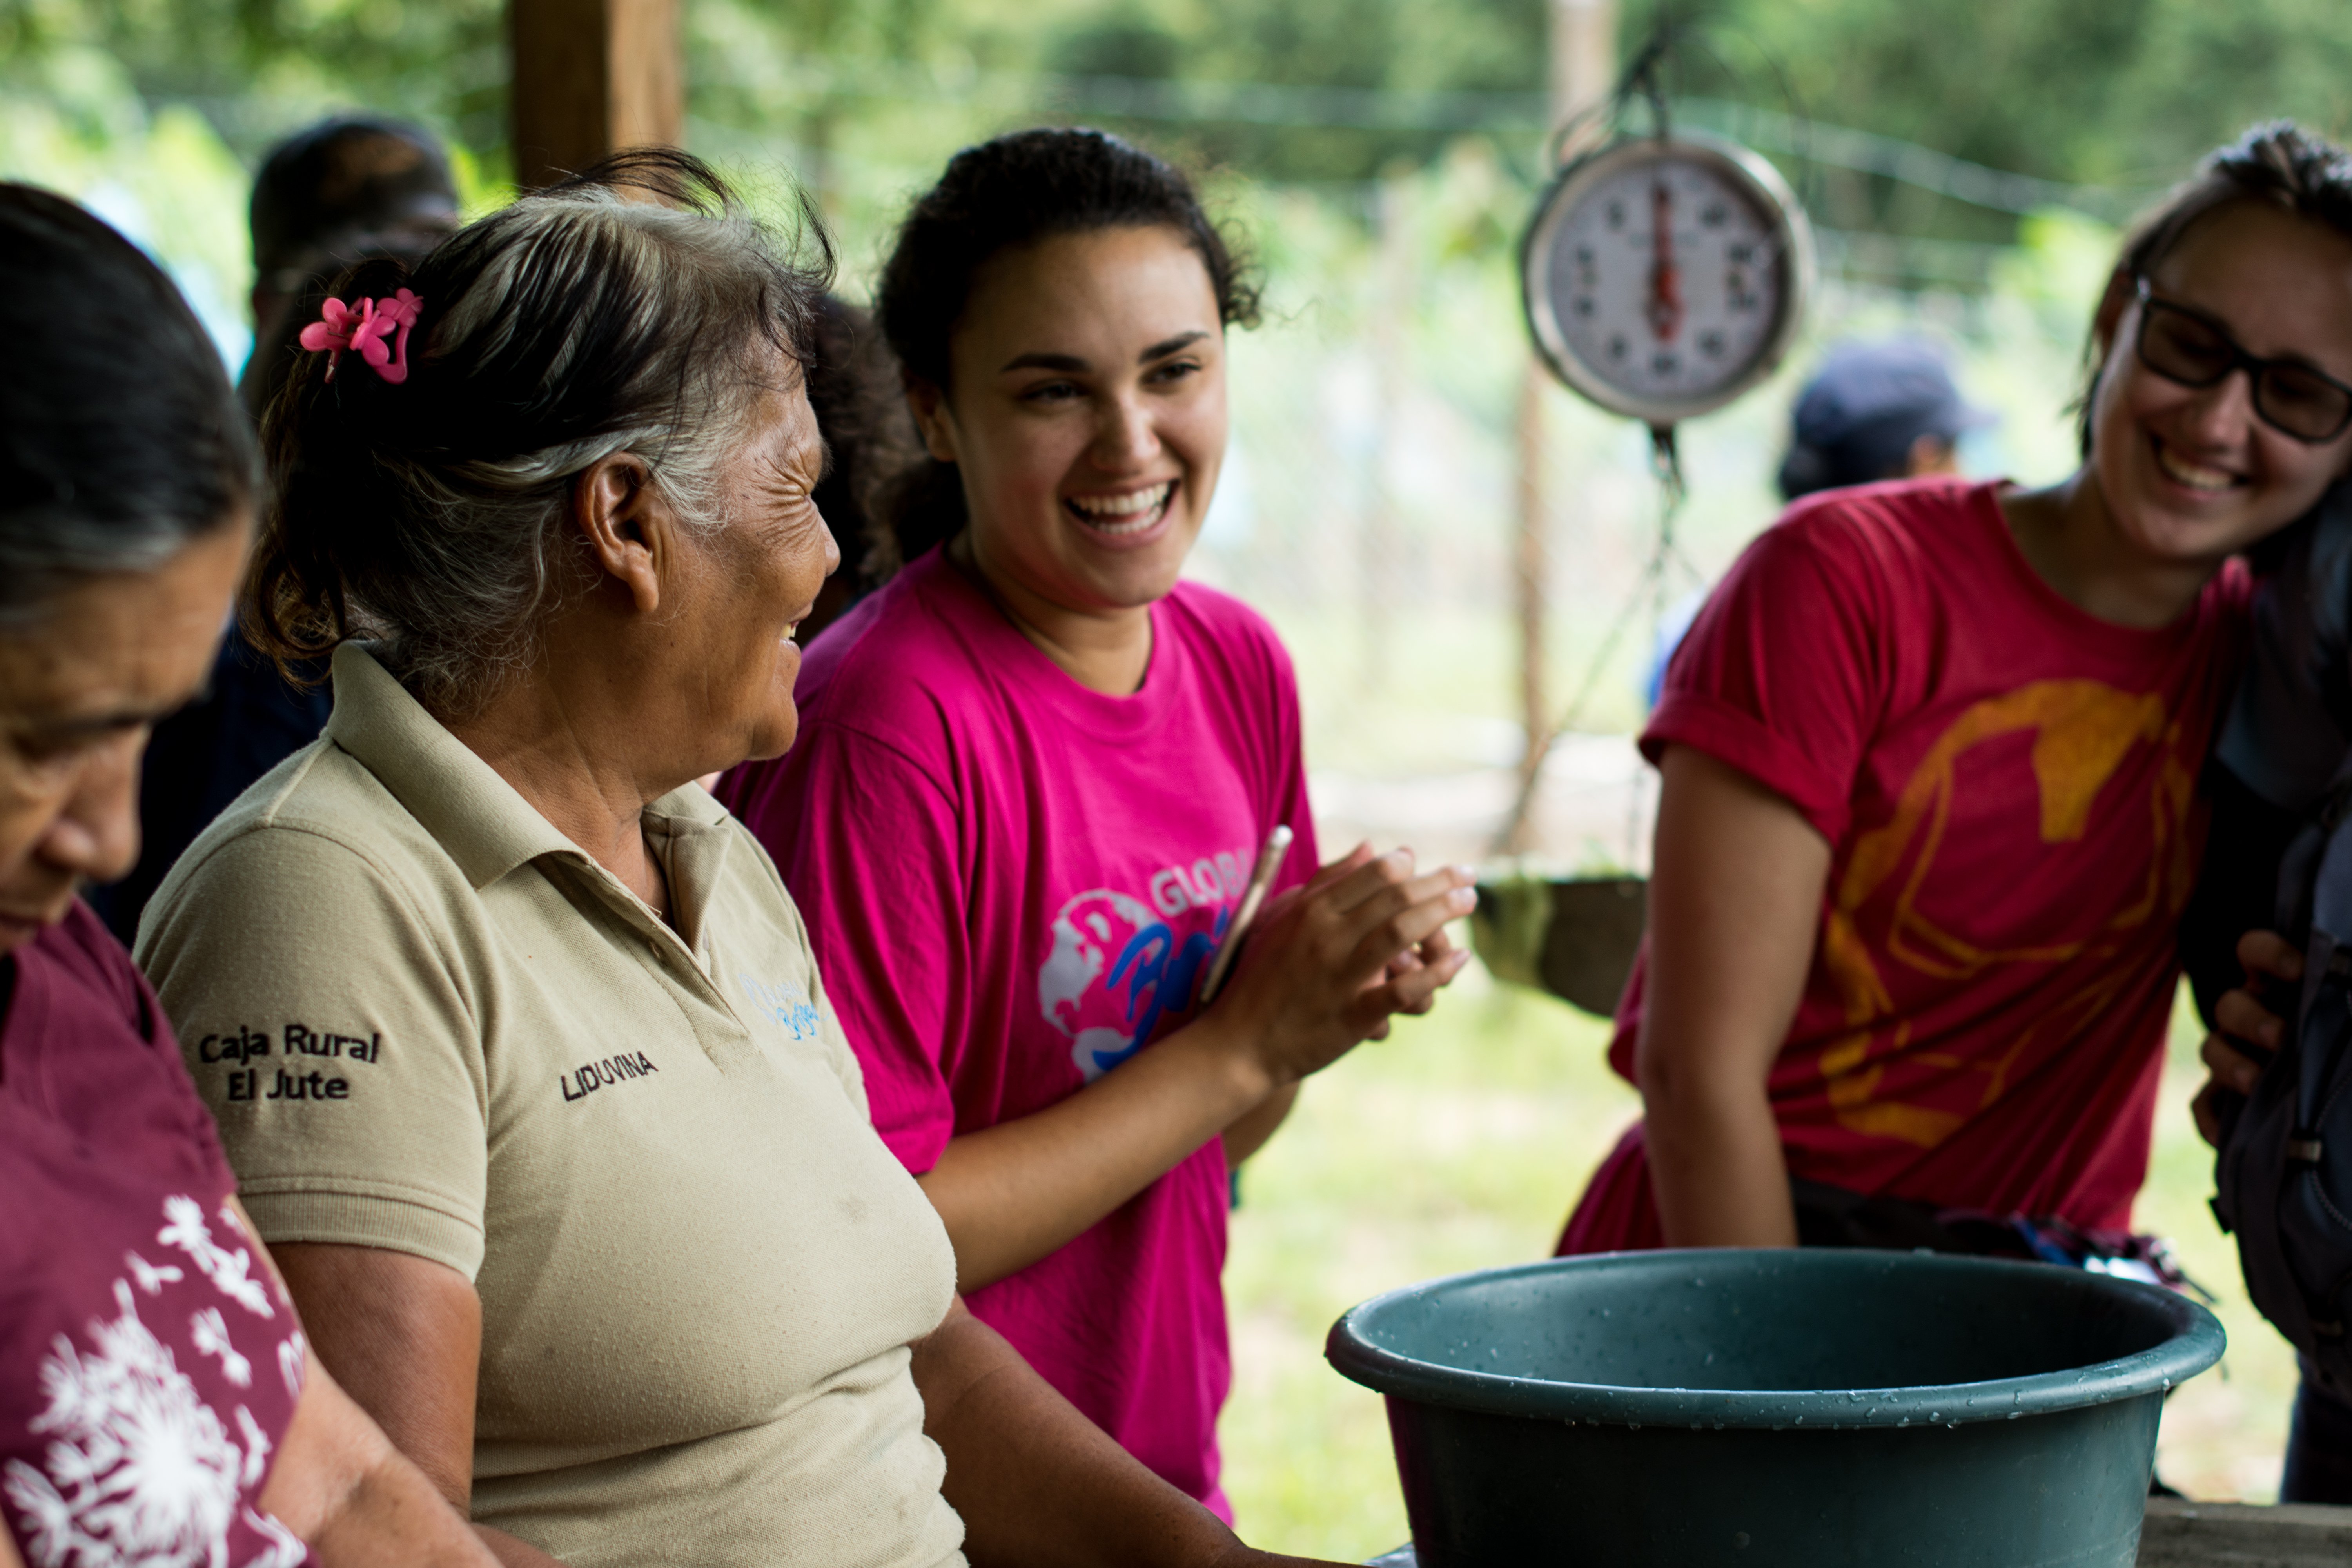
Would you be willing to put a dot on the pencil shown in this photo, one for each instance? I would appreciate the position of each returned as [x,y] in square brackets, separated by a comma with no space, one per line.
[1269,861]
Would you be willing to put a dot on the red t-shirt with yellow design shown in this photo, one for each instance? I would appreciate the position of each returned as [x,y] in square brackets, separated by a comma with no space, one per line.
[2007,785]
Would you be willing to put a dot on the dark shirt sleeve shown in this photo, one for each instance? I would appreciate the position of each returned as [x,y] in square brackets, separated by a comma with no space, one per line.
[201,759]
[2237,887]
[2281,746]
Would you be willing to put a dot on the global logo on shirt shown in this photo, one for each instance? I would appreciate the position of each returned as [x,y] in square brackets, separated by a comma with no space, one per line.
[783,1003]
[1118,966]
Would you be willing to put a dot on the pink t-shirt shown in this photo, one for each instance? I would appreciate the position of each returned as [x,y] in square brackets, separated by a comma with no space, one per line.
[1012,884]
[148,1362]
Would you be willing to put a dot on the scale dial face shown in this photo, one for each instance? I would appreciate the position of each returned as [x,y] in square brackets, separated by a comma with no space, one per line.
[1664,278]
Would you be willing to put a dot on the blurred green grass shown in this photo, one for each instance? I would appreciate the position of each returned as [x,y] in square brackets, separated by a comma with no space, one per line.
[1461,1143]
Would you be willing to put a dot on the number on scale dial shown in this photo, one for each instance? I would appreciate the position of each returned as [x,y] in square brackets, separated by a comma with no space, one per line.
[1665,278]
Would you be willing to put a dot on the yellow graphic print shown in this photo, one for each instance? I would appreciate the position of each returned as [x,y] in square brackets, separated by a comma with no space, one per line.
[2082,733]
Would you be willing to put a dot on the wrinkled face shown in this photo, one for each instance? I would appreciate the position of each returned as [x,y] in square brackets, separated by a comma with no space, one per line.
[2192,473]
[1087,414]
[81,686]
[752,582]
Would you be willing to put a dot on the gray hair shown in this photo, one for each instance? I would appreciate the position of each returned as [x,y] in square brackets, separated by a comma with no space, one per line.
[584,322]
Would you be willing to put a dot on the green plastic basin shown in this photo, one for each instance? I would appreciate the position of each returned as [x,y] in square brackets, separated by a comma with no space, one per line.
[1828,1408]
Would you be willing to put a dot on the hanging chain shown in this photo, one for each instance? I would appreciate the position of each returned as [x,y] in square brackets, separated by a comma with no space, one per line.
[1649,591]
[1642,79]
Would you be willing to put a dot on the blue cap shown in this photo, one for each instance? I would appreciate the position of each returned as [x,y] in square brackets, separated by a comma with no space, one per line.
[1857,419]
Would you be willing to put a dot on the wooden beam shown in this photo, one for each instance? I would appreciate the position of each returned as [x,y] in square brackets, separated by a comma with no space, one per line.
[592,77]
[1583,66]
[2179,1533]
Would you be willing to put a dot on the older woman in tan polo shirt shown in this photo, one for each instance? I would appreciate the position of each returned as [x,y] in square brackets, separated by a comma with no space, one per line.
[514,1037]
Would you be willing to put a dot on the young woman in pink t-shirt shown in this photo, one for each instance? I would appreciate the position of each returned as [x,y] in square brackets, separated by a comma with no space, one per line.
[1033,772]
[1930,753]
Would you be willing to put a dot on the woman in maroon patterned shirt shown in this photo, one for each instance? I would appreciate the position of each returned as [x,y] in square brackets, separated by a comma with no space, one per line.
[158,1402]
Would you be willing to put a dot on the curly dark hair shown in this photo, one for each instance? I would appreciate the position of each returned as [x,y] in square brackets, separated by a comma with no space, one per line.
[1016,191]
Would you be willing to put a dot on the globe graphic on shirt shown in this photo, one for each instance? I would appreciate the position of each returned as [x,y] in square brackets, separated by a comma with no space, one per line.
[1100,983]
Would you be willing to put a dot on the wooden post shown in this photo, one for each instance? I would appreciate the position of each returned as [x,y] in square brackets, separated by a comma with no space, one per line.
[1383,538]
[1583,67]
[592,77]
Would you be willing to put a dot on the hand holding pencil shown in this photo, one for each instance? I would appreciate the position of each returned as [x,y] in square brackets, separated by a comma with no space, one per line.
[1324,965]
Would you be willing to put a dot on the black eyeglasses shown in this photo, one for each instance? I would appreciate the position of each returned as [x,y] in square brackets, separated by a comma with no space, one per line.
[2192,348]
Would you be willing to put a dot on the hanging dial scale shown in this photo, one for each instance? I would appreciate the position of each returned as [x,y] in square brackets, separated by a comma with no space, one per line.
[1663,276]
[1666,275]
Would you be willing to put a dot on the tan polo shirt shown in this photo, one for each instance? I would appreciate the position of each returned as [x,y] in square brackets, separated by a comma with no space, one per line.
[426,1021]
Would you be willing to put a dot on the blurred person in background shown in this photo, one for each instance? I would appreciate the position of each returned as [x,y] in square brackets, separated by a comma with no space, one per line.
[1884,410]
[1929,817]
[349,188]
[869,438]
[513,1034]
[158,1401]
[1037,771]
[342,191]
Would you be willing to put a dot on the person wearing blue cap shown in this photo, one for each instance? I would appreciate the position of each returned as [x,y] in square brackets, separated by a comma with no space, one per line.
[1876,411]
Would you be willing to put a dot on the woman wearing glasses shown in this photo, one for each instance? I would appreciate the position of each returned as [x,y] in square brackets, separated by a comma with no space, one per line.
[1930,758]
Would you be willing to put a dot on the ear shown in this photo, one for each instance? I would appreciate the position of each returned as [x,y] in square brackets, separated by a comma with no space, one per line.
[930,406]
[631,532]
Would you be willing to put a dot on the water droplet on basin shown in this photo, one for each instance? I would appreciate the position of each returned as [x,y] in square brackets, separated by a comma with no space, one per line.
[1869,1412]
[1854,1396]
[1633,1426]
[1905,1422]
[1935,1415]
[2015,1414]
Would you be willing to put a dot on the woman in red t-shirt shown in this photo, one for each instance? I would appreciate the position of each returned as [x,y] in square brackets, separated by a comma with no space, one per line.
[158,1402]
[1930,757]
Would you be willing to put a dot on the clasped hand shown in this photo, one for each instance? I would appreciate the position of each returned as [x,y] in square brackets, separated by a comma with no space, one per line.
[1331,961]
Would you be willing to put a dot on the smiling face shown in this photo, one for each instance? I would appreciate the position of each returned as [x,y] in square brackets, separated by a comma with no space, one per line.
[81,684]
[2193,473]
[1088,416]
[746,589]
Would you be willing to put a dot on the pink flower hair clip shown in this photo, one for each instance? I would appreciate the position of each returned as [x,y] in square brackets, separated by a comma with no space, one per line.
[364,328]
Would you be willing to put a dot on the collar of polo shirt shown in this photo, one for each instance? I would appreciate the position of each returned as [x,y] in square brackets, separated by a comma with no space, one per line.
[486,826]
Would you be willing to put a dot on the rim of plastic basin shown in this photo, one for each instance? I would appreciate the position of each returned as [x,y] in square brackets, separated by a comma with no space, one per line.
[2194,1343]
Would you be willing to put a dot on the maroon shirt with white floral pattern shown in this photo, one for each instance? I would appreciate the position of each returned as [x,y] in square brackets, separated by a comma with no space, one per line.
[148,1362]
